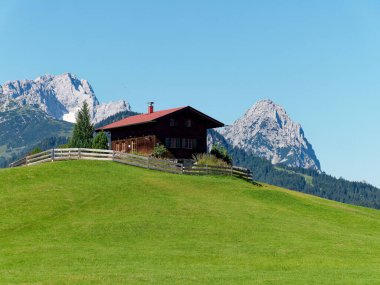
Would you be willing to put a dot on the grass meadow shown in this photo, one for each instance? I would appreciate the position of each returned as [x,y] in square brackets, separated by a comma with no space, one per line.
[89,222]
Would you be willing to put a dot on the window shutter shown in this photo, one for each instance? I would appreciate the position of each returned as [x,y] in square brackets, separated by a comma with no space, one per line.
[194,143]
[167,142]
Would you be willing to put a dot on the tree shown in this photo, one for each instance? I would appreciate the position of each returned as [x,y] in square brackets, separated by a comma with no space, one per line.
[83,129]
[221,153]
[100,141]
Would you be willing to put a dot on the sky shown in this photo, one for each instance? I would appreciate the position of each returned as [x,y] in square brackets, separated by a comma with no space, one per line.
[320,60]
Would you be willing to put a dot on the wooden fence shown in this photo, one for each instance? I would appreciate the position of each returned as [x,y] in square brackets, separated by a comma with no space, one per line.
[131,159]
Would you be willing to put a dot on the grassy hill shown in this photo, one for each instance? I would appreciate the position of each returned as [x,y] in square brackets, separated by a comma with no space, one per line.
[86,222]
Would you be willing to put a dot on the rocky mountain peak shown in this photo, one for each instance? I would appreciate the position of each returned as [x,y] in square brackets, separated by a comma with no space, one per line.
[266,130]
[60,96]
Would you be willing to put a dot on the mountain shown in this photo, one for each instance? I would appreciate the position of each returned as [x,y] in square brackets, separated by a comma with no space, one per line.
[23,129]
[311,181]
[267,131]
[275,149]
[59,96]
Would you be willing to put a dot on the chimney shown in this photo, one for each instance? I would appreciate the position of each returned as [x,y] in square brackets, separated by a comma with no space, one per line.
[150,107]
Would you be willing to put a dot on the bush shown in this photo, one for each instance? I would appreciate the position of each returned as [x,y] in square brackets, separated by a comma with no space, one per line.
[209,159]
[100,141]
[66,145]
[159,151]
[221,153]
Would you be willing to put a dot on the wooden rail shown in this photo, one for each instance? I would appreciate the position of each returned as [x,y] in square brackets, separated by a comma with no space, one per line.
[130,159]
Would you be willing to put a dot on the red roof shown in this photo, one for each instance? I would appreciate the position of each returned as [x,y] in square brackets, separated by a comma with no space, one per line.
[140,119]
[151,117]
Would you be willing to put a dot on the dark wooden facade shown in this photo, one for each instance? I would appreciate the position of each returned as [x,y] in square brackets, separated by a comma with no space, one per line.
[183,132]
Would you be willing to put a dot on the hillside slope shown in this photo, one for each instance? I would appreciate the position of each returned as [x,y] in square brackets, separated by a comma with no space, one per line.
[24,128]
[88,222]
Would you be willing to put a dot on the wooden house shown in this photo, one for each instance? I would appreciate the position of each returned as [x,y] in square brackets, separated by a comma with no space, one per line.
[183,131]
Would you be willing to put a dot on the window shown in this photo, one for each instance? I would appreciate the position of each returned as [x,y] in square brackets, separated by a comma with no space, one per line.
[173,142]
[188,123]
[173,122]
[189,143]
[133,144]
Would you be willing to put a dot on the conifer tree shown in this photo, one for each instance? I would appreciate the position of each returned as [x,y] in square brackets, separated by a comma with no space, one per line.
[100,141]
[83,129]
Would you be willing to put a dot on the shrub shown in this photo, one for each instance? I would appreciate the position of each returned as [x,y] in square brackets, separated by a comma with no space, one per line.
[221,153]
[160,151]
[209,159]
[100,141]
[35,150]
[66,145]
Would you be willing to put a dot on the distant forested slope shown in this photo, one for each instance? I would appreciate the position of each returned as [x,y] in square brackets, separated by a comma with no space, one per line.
[114,118]
[25,128]
[309,181]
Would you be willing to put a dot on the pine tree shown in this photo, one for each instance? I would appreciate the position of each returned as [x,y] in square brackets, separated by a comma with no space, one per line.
[83,129]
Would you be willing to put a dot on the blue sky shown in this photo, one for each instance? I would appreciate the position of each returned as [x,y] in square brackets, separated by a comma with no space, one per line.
[318,59]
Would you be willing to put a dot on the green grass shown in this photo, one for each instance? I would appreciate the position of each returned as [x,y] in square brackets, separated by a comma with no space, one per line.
[87,222]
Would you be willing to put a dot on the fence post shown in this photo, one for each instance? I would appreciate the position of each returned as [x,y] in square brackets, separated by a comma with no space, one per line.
[148,162]
[232,170]
[52,154]
[207,169]
[79,155]
[113,155]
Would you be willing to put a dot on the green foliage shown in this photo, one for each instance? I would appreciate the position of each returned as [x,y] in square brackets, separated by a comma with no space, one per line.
[83,129]
[209,159]
[221,153]
[53,142]
[36,150]
[66,145]
[100,141]
[160,151]
[114,224]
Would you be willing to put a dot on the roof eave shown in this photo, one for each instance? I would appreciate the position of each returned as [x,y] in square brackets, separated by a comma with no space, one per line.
[118,127]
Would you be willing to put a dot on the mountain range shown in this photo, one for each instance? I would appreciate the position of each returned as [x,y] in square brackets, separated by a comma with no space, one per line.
[265,130]
[265,139]
[41,112]
[59,96]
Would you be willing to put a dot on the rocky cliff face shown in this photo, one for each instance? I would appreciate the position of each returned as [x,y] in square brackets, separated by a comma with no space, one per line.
[267,131]
[59,96]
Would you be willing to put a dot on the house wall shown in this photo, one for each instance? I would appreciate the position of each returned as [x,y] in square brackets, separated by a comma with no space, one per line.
[141,145]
